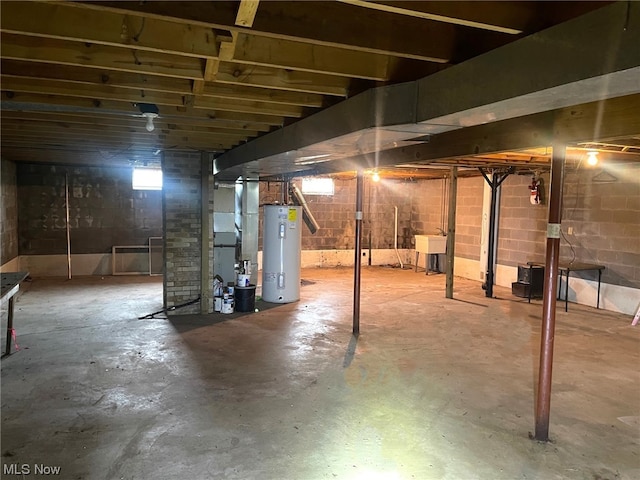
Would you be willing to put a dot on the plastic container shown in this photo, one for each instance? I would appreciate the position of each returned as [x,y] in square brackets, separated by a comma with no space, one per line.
[243,280]
[245,298]
[227,304]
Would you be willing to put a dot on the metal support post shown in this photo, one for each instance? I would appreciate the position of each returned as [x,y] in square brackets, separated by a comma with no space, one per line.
[549,299]
[494,183]
[358,253]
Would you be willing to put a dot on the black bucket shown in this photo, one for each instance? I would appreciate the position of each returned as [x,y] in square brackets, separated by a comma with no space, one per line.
[245,298]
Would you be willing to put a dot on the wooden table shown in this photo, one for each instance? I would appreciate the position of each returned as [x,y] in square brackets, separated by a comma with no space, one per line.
[566,269]
[9,286]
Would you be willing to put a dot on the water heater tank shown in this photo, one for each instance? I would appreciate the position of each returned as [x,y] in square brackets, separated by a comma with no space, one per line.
[281,246]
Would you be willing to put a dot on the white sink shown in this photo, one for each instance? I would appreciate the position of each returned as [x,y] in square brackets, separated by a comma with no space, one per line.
[431,244]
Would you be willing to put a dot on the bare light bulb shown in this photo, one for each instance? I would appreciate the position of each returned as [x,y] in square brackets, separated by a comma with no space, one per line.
[150,116]
[592,157]
[375,177]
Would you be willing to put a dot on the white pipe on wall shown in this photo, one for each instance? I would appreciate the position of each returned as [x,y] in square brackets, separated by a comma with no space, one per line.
[395,238]
[66,196]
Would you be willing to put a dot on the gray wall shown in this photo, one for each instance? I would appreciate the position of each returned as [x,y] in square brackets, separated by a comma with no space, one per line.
[419,212]
[469,217]
[603,208]
[104,210]
[523,226]
[603,212]
[8,212]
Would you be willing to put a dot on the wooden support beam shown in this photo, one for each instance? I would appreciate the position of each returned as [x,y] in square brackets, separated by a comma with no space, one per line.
[248,106]
[211,69]
[122,141]
[240,92]
[198,87]
[108,157]
[307,57]
[75,105]
[24,127]
[451,231]
[72,121]
[228,48]
[247,12]
[349,28]
[95,76]
[70,138]
[65,52]
[57,87]
[89,134]
[68,21]
[504,17]
[258,76]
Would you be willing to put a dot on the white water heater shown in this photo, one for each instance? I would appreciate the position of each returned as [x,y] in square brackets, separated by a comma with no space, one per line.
[281,246]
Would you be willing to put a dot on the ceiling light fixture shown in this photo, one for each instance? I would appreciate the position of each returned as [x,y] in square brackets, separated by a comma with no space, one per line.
[150,116]
[376,176]
[592,157]
[150,112]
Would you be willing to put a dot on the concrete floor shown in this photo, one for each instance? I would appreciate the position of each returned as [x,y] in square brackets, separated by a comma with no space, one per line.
[432,388]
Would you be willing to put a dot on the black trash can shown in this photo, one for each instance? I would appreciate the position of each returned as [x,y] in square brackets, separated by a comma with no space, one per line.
[245,298]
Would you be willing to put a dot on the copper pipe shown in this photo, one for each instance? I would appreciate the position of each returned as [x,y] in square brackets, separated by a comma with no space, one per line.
[549,299]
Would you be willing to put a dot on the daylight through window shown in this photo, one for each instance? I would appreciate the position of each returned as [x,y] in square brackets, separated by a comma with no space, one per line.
[317,186]
[147,179]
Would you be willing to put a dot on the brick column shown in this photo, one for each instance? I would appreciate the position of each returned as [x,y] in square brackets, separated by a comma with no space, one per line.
[181,212]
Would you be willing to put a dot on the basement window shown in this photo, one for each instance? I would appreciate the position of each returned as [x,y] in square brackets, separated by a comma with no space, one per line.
[146,179]
[317,186]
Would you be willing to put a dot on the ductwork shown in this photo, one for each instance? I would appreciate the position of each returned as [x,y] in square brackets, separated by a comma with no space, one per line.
[590,58]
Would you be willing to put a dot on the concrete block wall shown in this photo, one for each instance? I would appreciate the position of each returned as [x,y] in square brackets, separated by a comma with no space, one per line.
[419,212]
[182,229]
[469,218]
[522,226]
[104,210]
[602,209]
[8,212]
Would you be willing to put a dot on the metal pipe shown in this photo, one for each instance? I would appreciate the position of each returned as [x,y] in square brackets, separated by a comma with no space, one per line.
[285,192]
[451,230]
[549,294]
[307,216]
[358,254]
[395,238]
[66,201]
